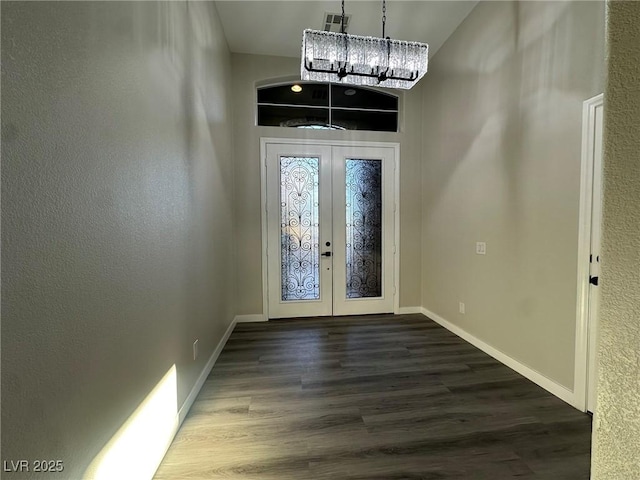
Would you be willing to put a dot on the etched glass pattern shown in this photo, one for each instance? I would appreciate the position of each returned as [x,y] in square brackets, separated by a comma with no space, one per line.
[364,228]
[300,257]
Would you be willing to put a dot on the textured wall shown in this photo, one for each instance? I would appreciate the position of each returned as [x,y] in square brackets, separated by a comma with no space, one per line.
[502,123]
[616,439]
[117,243]
[249,70]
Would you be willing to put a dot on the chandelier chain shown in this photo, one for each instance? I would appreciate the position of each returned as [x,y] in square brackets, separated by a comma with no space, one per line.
[384,16]
[342,19]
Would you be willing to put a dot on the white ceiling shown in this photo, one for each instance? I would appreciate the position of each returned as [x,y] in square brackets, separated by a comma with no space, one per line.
[275,27]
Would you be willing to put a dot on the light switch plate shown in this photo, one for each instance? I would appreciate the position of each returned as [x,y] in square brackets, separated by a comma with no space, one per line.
[481,248]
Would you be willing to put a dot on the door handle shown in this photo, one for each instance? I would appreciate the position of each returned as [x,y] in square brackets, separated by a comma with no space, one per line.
[326,254]
[593,280]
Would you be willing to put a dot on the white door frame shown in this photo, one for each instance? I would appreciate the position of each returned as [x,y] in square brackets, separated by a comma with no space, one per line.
[333,143]
[581,375]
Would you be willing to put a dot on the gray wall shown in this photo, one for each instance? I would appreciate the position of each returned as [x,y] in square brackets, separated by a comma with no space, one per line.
[502,116]
[117,237]
[250,70]
[616,439]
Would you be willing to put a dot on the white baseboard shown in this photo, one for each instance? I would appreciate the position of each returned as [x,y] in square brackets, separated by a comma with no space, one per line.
[408,310]
[256,317]
[186,406]
[147,455]
[560,391]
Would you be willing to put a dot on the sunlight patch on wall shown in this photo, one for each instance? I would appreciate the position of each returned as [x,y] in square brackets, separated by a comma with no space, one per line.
[137,448]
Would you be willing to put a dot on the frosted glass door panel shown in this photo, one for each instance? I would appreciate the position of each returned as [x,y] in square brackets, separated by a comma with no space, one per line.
[299,201]
[363,228]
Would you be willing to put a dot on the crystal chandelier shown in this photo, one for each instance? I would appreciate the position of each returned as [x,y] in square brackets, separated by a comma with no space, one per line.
[358,60]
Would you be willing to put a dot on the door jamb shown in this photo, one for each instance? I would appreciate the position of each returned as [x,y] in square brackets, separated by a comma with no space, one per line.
[581,375]
[334,143]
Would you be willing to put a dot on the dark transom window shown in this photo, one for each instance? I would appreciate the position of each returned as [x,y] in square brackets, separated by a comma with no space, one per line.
[327,106]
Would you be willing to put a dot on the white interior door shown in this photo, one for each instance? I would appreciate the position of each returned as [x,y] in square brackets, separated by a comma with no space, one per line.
[594,267]
[330,230]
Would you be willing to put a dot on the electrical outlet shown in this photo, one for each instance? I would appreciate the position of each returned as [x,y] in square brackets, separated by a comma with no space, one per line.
[461,307]
[481,248]
[195,349]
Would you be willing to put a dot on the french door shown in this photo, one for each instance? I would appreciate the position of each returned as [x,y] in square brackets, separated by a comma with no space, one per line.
[330,230]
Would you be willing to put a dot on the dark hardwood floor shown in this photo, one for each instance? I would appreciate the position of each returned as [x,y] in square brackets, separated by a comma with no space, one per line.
[372,398]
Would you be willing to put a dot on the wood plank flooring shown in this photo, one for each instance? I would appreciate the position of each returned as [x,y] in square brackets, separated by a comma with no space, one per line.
[372,398]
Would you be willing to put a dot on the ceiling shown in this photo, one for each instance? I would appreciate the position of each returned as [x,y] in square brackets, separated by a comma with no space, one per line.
[275,27]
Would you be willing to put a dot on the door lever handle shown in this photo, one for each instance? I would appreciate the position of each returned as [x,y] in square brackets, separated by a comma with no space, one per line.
[326,254]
